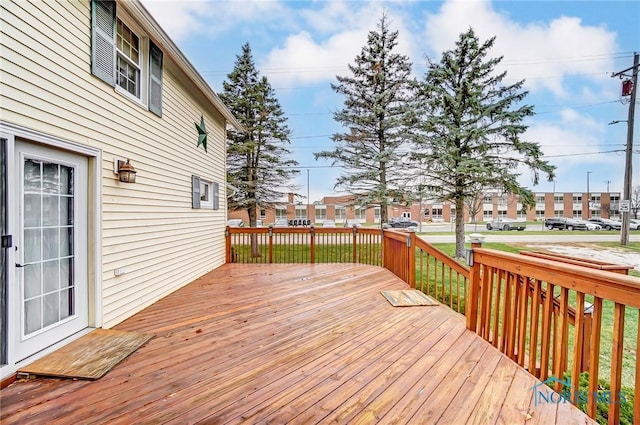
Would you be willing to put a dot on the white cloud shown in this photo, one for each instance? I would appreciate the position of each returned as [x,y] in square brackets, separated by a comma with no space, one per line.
[304,59]
[571,139]
[541,52]
[181,19]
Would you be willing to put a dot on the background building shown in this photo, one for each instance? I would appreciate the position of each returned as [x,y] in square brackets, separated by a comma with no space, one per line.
[491,205]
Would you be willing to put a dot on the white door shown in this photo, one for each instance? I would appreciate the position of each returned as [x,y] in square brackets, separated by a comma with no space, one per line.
[51,299]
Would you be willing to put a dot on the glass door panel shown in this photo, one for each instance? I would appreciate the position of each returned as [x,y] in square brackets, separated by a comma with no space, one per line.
[48,244]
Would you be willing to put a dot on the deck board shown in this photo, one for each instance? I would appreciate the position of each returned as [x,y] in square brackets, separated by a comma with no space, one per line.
[293,344]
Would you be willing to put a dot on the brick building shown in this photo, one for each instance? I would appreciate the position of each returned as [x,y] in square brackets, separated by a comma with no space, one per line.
[490,206]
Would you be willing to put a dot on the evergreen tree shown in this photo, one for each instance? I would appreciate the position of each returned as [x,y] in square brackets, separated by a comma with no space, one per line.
[257,159]
[377,116]
[473,129]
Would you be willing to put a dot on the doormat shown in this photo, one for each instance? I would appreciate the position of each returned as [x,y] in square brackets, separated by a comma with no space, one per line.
[408,298]
[90,356]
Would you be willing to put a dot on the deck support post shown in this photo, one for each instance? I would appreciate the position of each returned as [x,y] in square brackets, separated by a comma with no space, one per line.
[411,259]
[312,249]
[355,244]
[227,238]
[471,308]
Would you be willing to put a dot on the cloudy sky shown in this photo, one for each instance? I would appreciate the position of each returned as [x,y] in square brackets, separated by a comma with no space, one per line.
[565,50]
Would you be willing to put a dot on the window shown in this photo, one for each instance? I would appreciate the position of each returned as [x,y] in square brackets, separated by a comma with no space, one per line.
[321,212]
[204,194]
[558,213]
[341,212]
[281,212]
[577,199]
[558,199]
[125,58]
[406,214]
[360,213]
[577,213]
[540,214]
[436,213]
[487,214]
[263,213]
[376,214]
[502,213]
[488,199]
[539,199]
[301,211]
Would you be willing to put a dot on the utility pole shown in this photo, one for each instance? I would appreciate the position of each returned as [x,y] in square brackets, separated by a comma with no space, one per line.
[624,233]
[607,182]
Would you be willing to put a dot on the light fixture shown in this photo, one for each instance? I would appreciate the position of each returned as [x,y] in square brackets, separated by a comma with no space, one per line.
[126,172]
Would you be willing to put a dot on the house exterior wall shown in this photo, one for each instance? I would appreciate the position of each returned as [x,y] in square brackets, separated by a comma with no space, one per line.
[149,228]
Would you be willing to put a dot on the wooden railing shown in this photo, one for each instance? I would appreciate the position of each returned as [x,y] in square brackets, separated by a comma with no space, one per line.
[511,303]
[441,276]
[406,256]
[304,245]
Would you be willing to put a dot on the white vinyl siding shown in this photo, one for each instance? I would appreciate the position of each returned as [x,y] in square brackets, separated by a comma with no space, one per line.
[148,228]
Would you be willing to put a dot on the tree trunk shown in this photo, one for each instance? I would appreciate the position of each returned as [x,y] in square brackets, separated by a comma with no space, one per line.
[253,220]
[384,214]
[460,249]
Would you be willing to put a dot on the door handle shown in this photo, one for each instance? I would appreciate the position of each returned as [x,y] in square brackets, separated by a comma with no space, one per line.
[22,265]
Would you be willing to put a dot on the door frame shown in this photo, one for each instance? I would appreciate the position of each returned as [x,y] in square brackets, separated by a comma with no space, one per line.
[94,231]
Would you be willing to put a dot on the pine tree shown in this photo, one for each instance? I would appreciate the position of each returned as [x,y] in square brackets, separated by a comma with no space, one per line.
[473,129]
[257,160]
[377,116]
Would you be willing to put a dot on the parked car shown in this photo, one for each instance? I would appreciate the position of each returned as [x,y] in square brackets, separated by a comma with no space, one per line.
[352,223]
[506,224]
[590,225]
[235,222]
[634,224]
[402,222]
[281,222]
[564,223]
[606,223]
[329,223]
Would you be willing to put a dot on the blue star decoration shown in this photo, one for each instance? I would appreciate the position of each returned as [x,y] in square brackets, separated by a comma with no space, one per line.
[202,133]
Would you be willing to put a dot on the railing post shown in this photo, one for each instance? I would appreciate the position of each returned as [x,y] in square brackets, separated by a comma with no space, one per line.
[382,248]
[270,244]
[411,266]
[227,238]
[312,233]
[355,241]
[586,338]
[471,310]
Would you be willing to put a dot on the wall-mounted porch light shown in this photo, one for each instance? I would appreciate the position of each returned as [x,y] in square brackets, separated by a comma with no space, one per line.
[125,171]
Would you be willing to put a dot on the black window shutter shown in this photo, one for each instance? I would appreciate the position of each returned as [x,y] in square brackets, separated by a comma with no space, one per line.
[195,192]
[155,79]
[103,40]
[216,196]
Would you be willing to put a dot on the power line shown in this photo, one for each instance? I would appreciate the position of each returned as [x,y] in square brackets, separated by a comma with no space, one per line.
[515,62]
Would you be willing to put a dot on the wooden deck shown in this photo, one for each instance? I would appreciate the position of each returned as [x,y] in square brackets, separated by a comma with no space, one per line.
[302,344]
